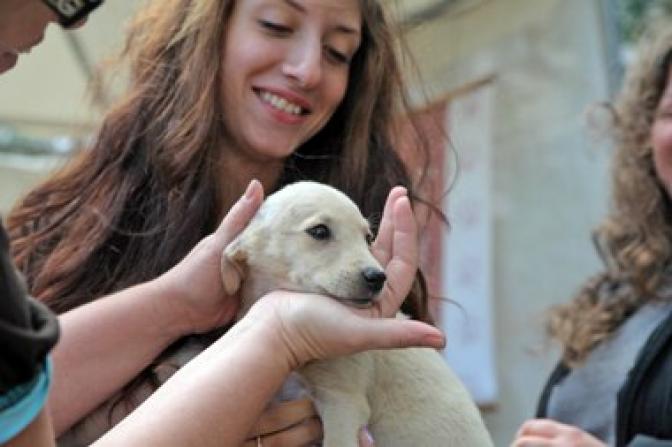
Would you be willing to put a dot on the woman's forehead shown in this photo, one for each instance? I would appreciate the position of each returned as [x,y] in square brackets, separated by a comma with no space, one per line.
[344,13]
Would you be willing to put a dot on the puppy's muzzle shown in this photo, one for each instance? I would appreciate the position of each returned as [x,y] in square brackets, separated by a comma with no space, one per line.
[374,279]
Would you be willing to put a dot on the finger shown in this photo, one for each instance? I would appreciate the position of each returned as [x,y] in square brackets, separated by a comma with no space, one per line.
[306,433]
[403,265]
[382,246]
[365,438]
[540,427]
[283,415]
[240,213]
[533,441]
[390,333]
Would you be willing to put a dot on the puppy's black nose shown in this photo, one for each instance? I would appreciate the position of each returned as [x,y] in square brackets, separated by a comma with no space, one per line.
[374,279]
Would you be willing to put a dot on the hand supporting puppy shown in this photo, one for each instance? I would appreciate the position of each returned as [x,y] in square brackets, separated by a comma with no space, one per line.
[235,377]
[292,424]
[195,283]
[125,331]
[309,327]
[549,433]
[296,422]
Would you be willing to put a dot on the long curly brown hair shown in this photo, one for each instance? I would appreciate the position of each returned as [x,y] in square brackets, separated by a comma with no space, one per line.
[146,191]
[635,239]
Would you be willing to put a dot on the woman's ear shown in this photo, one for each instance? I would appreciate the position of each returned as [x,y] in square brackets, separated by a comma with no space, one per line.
[232,266]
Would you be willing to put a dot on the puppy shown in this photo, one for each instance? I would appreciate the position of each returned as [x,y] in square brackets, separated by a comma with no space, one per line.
[309,237]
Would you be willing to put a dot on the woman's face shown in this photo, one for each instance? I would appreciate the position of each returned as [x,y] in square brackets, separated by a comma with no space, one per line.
[661,137]
[285,71]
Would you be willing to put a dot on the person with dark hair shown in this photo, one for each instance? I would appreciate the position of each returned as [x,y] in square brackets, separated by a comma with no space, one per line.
[28,330]
[613,385]
[125,242]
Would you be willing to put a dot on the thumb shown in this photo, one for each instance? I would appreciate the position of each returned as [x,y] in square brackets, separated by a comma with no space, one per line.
[240,213]
[391,333]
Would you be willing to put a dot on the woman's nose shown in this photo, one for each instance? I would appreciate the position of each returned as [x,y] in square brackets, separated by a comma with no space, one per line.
[304,64]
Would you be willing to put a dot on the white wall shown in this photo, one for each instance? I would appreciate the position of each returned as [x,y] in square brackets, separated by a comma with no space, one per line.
[46,94]
[49,86]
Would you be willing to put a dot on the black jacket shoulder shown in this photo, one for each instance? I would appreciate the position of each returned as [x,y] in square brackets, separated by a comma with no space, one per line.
[28,330]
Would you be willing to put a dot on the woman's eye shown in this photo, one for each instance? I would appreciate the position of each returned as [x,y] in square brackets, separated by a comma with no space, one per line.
[274,27]
[337,56]
[666,114]
[319,232]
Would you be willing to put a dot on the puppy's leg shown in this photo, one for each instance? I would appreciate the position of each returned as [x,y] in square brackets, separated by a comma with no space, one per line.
[343,415]
[339,388]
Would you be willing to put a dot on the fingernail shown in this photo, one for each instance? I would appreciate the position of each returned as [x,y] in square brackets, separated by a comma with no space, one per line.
[435,340]
[368,436]
[250,189]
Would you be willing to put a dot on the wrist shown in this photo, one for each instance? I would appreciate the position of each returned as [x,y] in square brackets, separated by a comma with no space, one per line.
[262,326]
[168,305]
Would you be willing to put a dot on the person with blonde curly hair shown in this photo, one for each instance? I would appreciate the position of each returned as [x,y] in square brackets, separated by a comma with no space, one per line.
[613,385]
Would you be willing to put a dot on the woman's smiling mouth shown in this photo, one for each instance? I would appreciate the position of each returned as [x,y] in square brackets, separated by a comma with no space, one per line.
[281,103]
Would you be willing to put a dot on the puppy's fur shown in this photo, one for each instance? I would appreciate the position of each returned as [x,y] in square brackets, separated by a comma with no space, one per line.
[309,237]
[312,238]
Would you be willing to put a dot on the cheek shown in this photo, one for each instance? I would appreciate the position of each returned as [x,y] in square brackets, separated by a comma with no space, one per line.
[236,62]
[661,140]
[335,91]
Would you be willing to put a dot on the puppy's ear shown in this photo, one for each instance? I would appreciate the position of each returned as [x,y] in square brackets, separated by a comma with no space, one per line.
[232,266]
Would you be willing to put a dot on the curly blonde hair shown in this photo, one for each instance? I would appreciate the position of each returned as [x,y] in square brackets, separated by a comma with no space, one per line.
[635,239]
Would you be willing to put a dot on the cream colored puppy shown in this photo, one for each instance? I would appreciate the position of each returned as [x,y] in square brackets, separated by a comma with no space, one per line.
[310,237]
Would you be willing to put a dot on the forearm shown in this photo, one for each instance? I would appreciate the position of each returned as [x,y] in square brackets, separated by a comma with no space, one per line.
[215,399]
[37,434]
[104,345]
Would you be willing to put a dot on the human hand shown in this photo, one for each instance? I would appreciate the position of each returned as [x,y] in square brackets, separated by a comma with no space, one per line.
[291,424]
[194,285]
[396,248]
[549,433]
[308,327]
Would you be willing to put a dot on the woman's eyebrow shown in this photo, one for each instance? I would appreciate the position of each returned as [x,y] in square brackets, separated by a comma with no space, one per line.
[340,27]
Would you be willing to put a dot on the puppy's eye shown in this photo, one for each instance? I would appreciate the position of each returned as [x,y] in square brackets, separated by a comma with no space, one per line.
[320,232]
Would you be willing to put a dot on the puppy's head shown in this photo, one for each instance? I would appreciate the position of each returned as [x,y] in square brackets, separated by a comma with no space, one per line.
[306,237]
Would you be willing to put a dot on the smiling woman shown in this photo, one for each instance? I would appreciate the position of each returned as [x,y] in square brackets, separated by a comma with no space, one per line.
[285,70]
[220,92]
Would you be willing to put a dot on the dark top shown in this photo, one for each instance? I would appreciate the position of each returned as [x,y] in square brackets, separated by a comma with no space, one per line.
[644,402]
[28,330]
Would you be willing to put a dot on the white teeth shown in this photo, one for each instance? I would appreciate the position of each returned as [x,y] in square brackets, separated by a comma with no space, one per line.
[281,103]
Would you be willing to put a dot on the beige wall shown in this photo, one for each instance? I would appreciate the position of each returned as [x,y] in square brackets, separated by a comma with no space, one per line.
[549,176]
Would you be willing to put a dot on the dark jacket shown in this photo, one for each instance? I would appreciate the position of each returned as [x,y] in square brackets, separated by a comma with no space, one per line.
[28,330]
[644,406]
